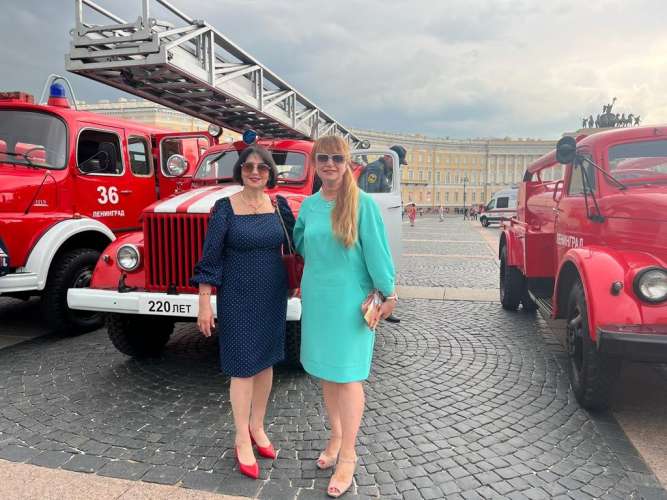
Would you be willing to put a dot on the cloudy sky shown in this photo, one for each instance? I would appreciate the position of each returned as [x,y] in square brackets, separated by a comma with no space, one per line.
[446,68]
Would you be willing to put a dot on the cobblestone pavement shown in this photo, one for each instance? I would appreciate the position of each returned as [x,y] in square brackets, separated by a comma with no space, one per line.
[466,400]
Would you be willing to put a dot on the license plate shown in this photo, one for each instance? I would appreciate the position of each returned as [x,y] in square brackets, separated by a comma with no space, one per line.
[167,306]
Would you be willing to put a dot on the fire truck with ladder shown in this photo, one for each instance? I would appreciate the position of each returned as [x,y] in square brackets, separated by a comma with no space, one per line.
[142,279]
[71,181]
[591,250]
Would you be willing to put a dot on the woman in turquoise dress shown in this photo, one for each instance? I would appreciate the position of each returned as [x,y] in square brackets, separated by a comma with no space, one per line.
[342,237]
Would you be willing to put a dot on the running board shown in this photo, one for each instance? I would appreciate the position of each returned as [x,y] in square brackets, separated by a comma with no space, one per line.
[544,305]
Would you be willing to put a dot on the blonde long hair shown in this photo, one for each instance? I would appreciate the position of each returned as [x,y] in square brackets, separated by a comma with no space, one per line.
[344,214]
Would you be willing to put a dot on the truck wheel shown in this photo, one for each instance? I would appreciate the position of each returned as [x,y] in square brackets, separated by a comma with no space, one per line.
[591,373]
[527,303]
[485,222]
[511,283]
[139,336]
[293,344]
[74,269]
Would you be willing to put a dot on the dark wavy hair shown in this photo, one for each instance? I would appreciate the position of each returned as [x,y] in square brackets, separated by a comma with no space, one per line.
[266,157]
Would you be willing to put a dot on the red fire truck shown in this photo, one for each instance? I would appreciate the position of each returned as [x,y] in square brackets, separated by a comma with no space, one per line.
[70,182]
[142,279]
[591,249]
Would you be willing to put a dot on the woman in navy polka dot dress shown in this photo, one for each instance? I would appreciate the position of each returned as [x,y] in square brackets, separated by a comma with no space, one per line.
[242,260]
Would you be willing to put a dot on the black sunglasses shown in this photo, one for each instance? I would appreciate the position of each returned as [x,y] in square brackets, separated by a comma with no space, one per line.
[324,158]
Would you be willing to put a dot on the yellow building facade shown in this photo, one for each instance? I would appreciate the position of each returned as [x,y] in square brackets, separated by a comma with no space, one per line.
[448,172]
[458,173]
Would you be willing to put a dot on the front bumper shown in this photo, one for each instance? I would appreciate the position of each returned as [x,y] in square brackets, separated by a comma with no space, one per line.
[148,303]
[18,282]
[634,342]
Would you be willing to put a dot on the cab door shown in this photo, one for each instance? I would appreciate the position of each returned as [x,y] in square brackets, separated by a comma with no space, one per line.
[575,223]
[189,145]
[388,197]
[103,182]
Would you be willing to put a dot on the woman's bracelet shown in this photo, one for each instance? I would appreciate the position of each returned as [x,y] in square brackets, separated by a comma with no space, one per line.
[392,297]
[204,293]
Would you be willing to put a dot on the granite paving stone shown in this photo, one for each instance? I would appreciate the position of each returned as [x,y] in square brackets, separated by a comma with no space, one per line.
[465,400]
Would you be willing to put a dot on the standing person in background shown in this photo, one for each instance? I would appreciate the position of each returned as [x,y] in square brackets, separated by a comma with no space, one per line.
[441,213]
[242,259]
[341,235]
[412,213]
[378,176]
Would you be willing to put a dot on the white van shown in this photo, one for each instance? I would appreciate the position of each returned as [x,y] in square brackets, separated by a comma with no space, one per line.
[501,207]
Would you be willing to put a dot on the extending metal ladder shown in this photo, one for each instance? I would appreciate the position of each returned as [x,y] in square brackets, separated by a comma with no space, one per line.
[193,68]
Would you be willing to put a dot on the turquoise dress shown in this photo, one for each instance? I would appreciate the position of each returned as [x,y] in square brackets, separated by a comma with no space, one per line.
[336,343]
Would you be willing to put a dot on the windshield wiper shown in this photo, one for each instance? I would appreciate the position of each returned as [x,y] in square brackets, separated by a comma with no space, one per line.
[25,157]
[605,173]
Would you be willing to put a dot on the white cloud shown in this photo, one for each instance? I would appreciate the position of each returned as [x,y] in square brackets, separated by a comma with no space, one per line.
[447,68]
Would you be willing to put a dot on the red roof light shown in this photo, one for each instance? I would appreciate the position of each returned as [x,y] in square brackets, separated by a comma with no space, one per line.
[17,96]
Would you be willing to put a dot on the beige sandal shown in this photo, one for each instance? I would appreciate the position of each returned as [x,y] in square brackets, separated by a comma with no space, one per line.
[335,491]
[326,461]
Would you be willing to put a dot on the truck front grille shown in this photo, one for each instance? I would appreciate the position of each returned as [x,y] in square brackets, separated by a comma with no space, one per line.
[173,245]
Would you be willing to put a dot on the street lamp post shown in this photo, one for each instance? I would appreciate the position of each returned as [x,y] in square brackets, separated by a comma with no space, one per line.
[465,180]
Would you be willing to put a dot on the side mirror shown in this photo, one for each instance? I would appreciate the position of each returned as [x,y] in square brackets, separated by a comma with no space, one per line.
[558,191]
[177,165]
[566,149]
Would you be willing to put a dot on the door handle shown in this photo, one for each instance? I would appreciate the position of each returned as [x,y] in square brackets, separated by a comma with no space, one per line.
[556,209]
[125,191]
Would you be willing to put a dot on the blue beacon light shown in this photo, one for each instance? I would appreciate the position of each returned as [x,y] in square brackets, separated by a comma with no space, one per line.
[249,136]
[57,90]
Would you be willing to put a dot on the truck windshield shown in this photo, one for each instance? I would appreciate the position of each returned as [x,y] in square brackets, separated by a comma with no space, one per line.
[32,138]
[639,162]
[219,166]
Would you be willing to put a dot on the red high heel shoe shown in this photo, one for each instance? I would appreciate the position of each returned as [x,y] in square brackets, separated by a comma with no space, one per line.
[264,451]
[251,471]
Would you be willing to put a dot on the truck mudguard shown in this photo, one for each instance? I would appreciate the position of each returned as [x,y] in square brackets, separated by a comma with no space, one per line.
[42,254]
[598,269]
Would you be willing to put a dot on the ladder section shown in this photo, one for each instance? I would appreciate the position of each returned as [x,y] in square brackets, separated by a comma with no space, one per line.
[189,66]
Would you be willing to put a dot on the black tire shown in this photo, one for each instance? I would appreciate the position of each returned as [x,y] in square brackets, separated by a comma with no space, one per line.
[293,344]
[527,302]
[139,336]
[591,374]
[485,222]
[512,286]
[73,269]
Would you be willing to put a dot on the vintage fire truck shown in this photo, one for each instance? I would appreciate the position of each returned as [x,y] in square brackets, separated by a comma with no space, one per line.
[141,280]
[591,249]
[70,181]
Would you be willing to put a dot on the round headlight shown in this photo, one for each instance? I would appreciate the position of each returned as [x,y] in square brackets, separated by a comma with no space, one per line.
[176,165]
[128,258]
[651,285]
[214,130]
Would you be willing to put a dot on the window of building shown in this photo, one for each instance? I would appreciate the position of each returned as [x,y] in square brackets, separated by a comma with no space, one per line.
[437,177]
[447,197]
[449,179]
[474,196]
[437,196]
[410,174]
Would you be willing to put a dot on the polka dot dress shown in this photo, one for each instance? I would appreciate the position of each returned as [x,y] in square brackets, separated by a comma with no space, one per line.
[242,259]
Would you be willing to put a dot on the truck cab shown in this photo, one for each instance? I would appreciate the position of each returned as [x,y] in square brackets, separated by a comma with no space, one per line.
[591,248]
[71,181]
[143,278]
